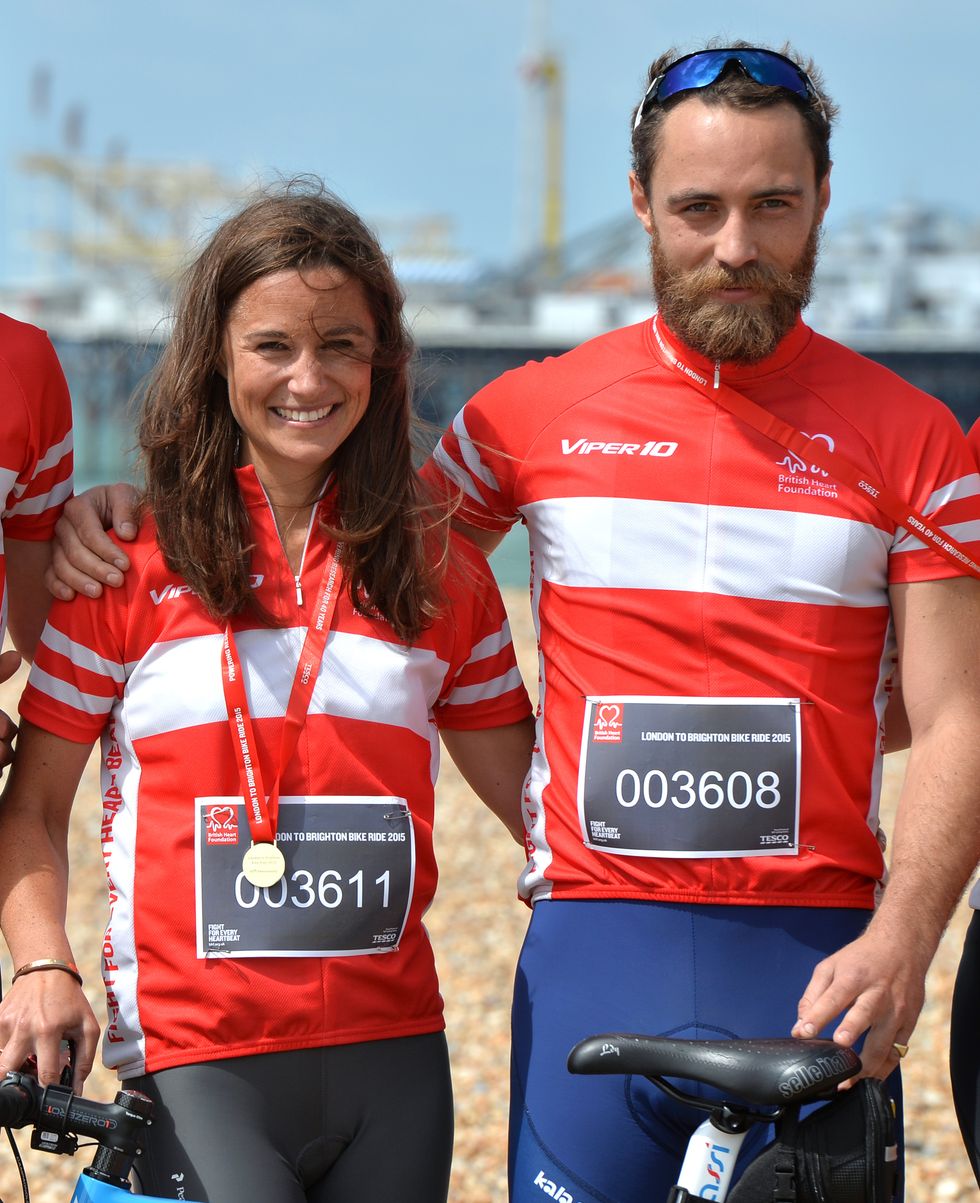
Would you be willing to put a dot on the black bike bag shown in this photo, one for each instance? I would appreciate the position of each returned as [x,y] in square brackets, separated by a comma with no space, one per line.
[844,1152]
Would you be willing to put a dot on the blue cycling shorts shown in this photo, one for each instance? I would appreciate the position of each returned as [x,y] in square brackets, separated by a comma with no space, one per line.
[664,969]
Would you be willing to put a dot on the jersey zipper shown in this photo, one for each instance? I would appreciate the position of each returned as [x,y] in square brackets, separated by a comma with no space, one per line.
[297,577]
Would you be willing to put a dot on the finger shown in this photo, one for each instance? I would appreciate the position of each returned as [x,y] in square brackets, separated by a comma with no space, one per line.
[84,566]
[807,1025]
[86,1047]
[48,1049]
[15,1052]
[54,585]
[6,750]
[880,1054]
[122,499]
[9,663]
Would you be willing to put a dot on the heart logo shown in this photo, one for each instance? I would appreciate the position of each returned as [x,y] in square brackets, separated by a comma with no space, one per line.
[222,816]
[609,714]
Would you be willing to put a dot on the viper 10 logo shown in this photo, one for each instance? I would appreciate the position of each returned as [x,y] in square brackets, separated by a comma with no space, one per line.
[659,450]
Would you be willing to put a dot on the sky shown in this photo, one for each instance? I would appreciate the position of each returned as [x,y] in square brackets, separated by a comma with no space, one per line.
[416,109]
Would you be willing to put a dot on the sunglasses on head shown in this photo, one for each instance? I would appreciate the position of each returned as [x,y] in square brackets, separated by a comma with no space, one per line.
[702,68]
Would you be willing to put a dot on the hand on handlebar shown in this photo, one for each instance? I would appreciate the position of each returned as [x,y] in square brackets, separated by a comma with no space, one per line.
[41,1010]
[879,988]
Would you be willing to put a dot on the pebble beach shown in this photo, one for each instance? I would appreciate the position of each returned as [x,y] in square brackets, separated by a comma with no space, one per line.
[477,925]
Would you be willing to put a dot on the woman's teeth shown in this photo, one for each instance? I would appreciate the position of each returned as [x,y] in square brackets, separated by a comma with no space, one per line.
[303,415]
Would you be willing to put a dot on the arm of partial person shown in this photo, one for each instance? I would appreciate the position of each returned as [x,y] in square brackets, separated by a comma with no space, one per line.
[878,980]
[494,762]
[9,663]
[28,600]
[41,1008]
[27,607]
[84,558]
[898,735]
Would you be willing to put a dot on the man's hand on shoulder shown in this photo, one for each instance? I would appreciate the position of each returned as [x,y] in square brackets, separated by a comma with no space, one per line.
[84,558]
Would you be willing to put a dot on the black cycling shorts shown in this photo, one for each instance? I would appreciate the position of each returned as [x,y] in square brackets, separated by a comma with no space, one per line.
[340,1124]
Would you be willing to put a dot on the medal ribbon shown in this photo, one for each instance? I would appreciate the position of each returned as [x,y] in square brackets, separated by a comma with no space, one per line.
[263,809]
[816,451]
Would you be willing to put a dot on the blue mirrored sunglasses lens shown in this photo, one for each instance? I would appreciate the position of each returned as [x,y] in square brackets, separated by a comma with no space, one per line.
[702,69]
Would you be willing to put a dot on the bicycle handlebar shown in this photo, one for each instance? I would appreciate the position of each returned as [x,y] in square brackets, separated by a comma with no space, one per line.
[60,1116]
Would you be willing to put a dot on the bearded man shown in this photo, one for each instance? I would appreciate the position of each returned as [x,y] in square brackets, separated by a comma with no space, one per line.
[718,618]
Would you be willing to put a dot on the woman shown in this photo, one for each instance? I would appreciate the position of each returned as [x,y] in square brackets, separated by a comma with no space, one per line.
[268,685]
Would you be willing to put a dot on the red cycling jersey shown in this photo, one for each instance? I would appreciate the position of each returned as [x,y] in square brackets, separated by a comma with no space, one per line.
[678,554]
[35,439]
[142,666]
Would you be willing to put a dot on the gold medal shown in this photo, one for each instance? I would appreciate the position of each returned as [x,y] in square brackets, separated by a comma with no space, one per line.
[263,865]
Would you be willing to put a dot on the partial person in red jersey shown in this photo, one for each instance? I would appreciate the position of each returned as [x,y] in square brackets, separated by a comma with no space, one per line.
[35,481]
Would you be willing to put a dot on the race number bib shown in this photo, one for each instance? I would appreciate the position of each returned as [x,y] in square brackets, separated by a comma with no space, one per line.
[346,890]
[690,777]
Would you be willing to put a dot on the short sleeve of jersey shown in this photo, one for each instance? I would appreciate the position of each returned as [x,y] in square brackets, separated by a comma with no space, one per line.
[483,687]
[973,438]
[943,484]
[79,669]
[35,433]
[479,457]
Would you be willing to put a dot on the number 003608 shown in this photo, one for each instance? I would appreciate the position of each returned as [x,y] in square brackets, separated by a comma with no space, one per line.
[712,790]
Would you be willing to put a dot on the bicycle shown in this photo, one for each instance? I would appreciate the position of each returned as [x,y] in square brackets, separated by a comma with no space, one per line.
[776,1075]
[60,1117]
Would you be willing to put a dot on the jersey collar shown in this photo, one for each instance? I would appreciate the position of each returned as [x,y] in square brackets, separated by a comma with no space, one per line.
[253,493]
[675,353]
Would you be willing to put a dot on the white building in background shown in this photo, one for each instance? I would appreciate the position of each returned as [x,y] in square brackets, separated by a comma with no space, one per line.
[909,278]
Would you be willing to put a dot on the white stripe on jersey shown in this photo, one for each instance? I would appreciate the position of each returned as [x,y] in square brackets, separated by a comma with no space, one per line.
[68,695]
[37,505]
[471,454]
[962,532]
[53,455]
[965,486]
[533,882]
[491,645]
[465,695]
[459,476]
[772,555]
[126,1050]
[177,684]
[82,656]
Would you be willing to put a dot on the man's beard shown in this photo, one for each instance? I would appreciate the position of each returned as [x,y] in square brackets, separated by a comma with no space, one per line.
[729,330]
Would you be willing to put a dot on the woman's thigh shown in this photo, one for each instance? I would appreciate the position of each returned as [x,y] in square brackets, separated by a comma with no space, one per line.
[304,1126]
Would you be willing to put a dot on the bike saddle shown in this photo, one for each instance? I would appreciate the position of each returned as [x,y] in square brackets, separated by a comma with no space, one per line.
[767,1073]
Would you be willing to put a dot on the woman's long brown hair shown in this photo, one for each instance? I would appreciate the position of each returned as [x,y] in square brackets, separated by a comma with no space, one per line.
[394,537]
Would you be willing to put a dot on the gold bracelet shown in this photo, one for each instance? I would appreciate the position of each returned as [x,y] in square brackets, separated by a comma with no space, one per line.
[48,963]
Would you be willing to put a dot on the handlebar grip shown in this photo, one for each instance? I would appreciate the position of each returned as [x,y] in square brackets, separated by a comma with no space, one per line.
[20,1097]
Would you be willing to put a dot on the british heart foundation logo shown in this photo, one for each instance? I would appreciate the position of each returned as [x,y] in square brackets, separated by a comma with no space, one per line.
[607,727]
[221,824]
